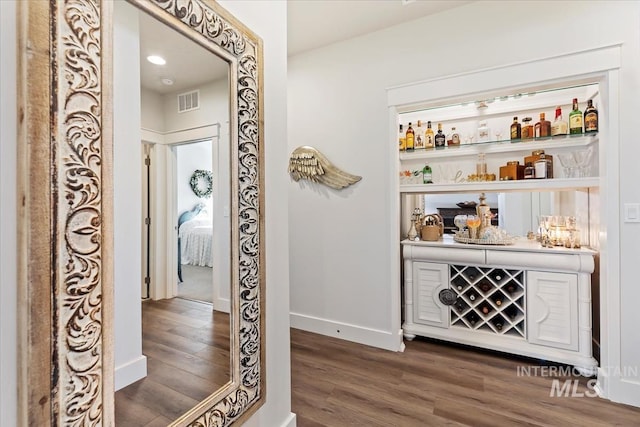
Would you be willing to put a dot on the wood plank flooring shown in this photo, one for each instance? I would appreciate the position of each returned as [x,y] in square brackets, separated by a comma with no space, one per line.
[339,383]
[187,349]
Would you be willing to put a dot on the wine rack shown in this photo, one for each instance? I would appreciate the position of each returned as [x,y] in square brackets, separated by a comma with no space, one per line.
[489,299]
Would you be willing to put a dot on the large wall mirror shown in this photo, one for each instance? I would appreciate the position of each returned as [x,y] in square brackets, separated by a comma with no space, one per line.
[66,229]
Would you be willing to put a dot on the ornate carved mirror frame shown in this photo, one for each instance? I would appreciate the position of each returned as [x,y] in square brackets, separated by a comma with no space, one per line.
[65,210]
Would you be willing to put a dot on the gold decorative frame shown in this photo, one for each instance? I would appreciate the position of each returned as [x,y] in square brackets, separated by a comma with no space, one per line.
[66,228]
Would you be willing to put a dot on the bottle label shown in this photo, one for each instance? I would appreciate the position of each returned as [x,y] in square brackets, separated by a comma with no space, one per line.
[591,122]
[419,141]
[403,143]
[575,123]
[455,139]
[410,142]
[429,140]
[440,141]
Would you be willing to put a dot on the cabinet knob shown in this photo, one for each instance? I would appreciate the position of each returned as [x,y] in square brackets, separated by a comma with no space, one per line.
[448,296]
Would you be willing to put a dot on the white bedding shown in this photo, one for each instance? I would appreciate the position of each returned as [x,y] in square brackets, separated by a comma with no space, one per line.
[196,241]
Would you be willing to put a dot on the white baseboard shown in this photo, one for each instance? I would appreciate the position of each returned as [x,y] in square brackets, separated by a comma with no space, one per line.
[130,372]
[291,421]
[222,304]
[373,337]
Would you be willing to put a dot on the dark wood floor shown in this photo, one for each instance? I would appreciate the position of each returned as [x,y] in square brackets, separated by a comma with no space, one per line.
[187,349]
[338,383]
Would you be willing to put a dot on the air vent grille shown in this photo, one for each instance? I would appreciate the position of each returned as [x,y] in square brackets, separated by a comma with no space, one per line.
[188,101]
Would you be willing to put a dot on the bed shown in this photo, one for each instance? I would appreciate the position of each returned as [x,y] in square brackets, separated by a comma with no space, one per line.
[195,234]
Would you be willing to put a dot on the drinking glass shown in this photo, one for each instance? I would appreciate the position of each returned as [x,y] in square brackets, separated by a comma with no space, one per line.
[460,221]
[583,161]
[473,222]
[568,163]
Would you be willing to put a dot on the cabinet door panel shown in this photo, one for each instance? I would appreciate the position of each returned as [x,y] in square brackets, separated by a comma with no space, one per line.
[428,280]
[552,307]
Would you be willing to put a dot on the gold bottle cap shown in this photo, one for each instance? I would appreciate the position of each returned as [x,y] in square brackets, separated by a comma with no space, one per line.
[541,116]
[513,162]
[537,152]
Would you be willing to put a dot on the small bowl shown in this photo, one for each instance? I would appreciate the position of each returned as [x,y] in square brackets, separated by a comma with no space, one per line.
[466,204]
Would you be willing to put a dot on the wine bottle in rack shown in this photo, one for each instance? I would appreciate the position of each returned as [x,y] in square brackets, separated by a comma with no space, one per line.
[498,301]
[485,309]
[472,296]
[511,288]
[473,319]
[498,324]
[485,286]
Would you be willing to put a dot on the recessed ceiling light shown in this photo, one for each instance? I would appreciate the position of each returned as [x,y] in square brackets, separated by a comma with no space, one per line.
[167,81]
[157,60]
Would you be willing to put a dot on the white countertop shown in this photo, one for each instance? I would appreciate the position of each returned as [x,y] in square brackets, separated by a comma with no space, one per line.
[522,244]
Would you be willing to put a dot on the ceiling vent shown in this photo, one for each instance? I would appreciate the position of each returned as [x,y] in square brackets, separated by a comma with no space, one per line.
[188,101]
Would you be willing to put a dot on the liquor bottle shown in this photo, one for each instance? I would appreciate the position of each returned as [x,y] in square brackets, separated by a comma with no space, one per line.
[542,128]
[402,139]
[440,138]
[529,171]
[484,132]
[411,138]
[575,119]
[429,137]
[455,137]
[427,175]
[516,129]
[590,118]
[559,126]
[527,128]
[419,136]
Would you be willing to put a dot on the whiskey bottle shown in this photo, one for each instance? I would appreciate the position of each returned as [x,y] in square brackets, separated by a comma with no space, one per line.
[590,118]
[559,126]
[440,138]
[419,136]
[429,141]
[410,135]
[516,129]
[427,175]
[402,139]
[575,119]
[527,128]
[542,128]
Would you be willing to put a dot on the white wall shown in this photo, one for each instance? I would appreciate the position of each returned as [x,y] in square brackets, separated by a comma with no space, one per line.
[152,111]
[268,19]
[339,249]
[191,157]
[130,364]
[214,107]
[8,209]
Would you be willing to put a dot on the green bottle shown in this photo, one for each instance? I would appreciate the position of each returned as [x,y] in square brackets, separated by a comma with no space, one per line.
[575,119]
[426,175]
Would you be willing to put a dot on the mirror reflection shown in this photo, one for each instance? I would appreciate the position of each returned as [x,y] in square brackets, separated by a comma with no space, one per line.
[519,213]
[186,227]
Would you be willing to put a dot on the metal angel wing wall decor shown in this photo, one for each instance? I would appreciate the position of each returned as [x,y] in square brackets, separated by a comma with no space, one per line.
[308,163]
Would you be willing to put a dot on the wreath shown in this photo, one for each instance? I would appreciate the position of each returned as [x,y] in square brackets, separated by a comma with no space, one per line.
[202,183]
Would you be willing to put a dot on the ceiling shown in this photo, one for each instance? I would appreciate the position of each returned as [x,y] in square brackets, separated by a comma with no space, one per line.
[315,23]
[311,24]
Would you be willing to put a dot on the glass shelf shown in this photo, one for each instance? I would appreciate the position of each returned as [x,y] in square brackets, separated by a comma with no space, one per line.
[555,184]
[503,146]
